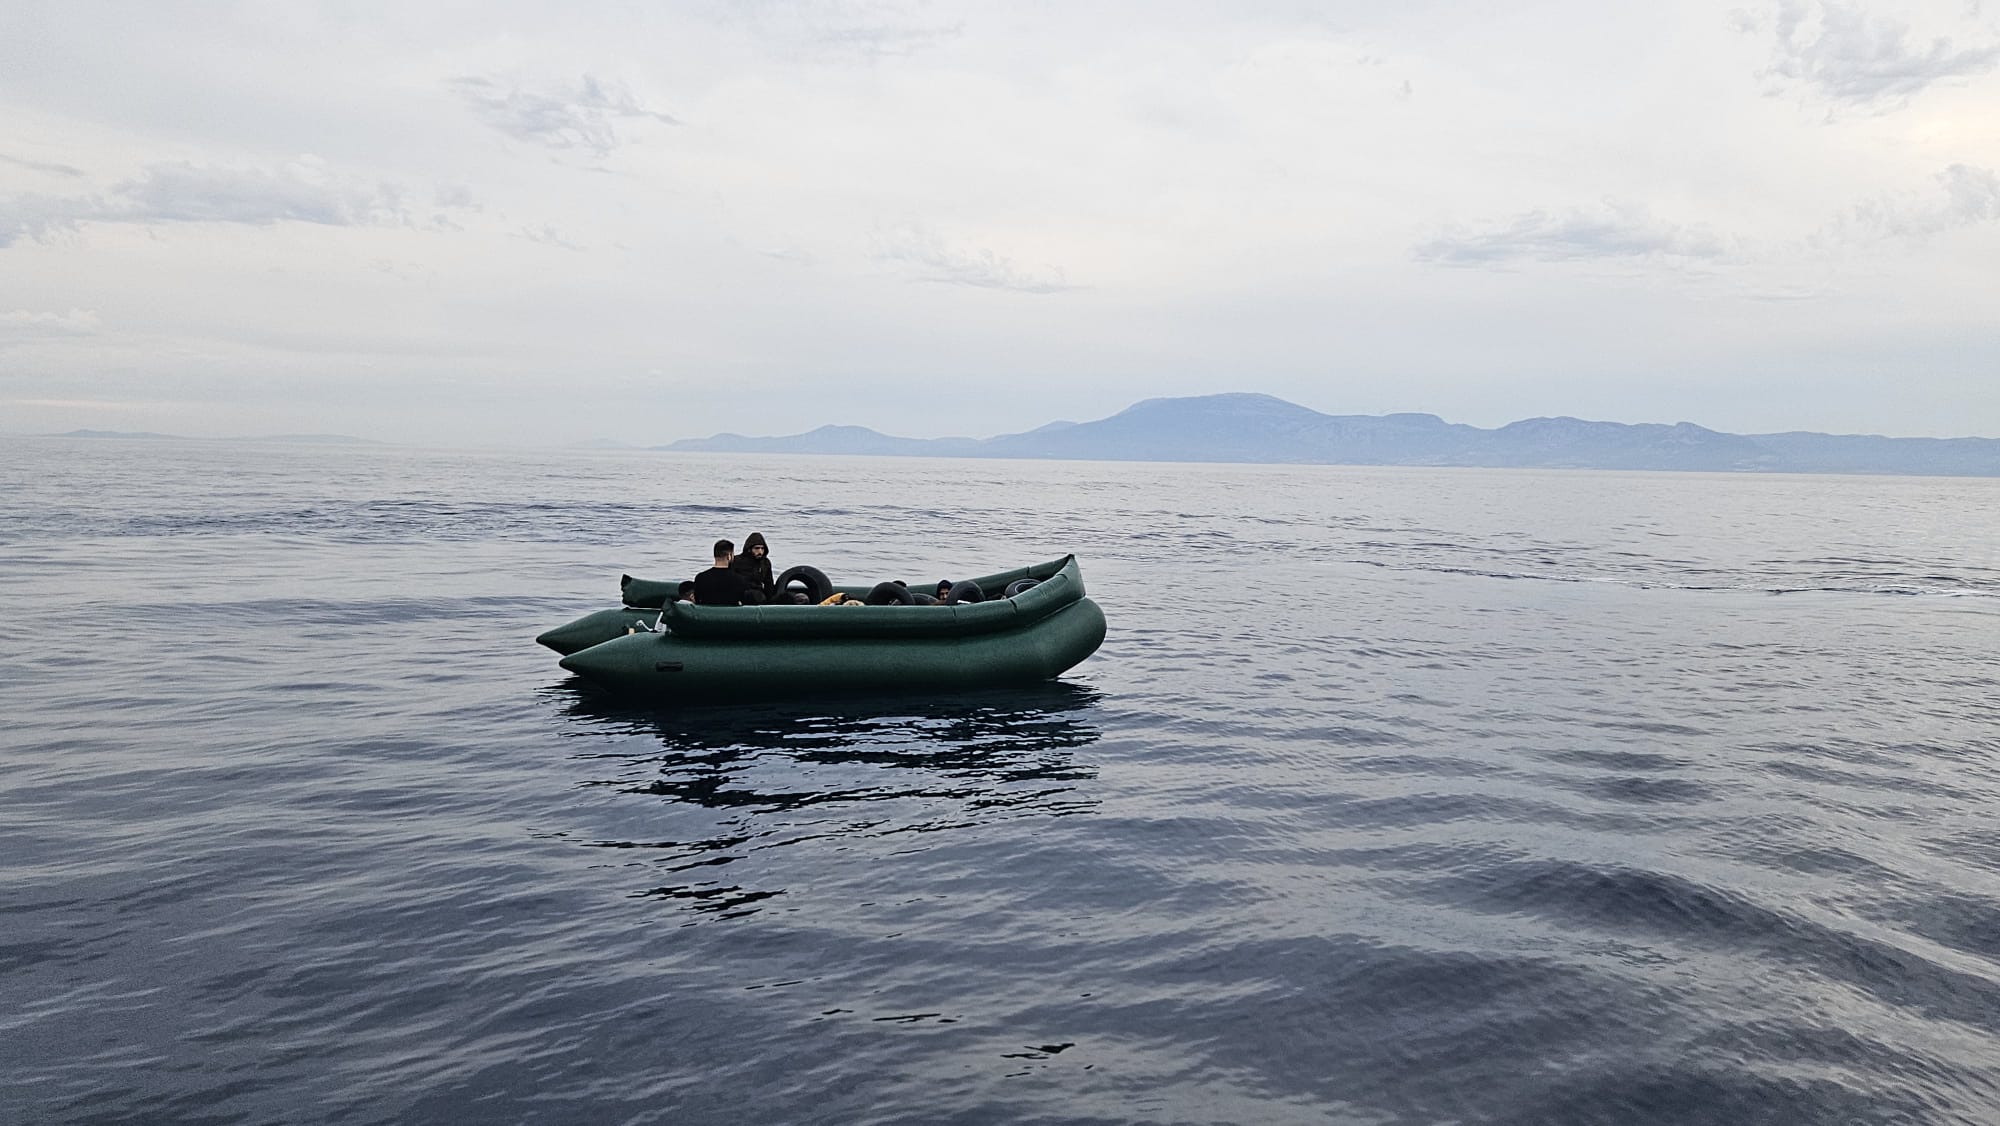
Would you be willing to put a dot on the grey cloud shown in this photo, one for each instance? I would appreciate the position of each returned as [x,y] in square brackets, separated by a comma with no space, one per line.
[1965,196]
[40,166]
[402,271]
[880,40]
[1972,195]
[40,217]
[584,118]
[980,268]
[456,197]
[303,191]
[869,29]
[1856,60]
[448,199]
[1610,232]
[547,236]
[26,322]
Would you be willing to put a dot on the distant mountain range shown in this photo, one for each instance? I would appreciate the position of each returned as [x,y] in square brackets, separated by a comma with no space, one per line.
[1261,428]
[301,439]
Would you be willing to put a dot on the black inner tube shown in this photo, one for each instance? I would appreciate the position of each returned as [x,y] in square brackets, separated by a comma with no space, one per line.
[818,588]
[889,594]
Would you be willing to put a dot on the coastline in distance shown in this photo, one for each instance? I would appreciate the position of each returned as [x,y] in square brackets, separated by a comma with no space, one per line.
[1249,427]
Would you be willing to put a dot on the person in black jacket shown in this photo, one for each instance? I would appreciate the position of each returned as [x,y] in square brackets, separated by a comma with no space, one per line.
[755,565]
[722,585]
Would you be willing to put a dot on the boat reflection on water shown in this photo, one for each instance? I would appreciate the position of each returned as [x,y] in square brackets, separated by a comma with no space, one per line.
[723,786]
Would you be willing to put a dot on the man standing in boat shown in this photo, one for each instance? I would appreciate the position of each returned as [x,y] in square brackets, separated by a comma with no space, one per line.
[722,586]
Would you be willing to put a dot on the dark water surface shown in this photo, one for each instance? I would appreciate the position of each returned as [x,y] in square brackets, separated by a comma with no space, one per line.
[1394,796]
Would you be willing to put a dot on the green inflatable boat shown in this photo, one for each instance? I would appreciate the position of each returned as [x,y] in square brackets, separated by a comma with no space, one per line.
[686,653]
[644,599]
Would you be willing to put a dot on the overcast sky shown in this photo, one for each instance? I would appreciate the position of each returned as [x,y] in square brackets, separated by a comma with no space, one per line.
[516,222]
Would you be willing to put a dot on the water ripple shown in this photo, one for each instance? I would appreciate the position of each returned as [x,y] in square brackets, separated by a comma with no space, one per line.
[1393,797]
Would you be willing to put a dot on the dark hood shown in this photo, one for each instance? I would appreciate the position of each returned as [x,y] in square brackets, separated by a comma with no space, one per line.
[755,568]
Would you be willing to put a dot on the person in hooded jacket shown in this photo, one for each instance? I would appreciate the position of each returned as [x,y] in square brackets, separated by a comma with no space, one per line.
[754,564]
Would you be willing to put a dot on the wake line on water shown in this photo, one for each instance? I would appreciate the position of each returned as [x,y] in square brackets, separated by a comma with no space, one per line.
[1900,591]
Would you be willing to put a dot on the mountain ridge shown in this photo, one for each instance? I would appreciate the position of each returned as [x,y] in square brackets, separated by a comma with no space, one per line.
[1252,427]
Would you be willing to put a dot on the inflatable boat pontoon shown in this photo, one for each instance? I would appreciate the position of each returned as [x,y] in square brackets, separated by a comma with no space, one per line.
[702,652]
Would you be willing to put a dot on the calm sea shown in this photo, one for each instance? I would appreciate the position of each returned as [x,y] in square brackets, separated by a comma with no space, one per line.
[1394,796]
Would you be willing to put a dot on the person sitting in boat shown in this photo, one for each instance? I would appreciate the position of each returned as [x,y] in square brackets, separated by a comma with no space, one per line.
[686,593]
[952,593]
[722,585]
[755,564]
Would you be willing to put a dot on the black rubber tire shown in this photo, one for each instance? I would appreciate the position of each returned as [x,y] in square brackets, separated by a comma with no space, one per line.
[919,598]
[889,594]
[1019,585]
[965,590]
[818,587]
